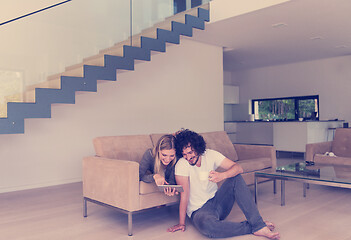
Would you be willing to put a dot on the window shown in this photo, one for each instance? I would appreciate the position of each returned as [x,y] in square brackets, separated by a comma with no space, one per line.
[286,109]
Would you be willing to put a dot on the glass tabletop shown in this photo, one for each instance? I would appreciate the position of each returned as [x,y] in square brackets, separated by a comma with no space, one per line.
[317,172]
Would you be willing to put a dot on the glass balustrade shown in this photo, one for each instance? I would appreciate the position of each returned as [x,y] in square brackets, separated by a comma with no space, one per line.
[38,45]
[148,15]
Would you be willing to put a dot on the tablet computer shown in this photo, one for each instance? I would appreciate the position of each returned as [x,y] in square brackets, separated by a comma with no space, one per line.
[179,188]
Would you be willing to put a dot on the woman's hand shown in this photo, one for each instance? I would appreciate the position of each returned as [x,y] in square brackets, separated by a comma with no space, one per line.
[177,227]
[159,180]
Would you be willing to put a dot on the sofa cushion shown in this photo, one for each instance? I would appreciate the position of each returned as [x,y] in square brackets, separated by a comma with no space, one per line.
[122,147]
[146,188]
[250,165]
[341,145]
[220,142]
[324,159]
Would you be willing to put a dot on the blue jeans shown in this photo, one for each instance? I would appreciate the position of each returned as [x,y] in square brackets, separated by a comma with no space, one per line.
[209,219]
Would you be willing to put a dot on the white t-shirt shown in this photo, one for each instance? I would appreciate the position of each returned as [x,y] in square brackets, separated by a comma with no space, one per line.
[201,189]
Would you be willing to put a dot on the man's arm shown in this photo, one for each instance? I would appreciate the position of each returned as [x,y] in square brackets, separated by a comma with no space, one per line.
[184,198]
[231,169]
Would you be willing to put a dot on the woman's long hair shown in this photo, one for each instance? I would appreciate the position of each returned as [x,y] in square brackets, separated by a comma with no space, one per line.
[166,142]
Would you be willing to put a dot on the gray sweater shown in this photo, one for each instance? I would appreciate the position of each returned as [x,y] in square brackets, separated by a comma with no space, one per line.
[146,169]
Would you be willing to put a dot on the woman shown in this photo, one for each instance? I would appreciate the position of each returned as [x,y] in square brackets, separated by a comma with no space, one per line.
[157,165]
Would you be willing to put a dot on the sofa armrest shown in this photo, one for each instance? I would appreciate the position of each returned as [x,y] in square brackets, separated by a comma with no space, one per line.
[111,181]
[256,151]
[315,148]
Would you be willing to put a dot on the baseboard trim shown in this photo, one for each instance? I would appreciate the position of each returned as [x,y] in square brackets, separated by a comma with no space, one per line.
[38,185]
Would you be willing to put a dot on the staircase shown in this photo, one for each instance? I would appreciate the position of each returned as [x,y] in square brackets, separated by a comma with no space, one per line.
[61,88]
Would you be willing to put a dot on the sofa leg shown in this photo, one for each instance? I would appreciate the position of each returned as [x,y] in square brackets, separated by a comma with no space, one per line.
[130,224]
[85,209]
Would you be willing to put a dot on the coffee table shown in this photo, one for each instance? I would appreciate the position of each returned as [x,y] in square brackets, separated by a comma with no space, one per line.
[322,174]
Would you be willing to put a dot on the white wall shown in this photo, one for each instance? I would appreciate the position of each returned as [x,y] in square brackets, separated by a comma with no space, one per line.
[11,9]
[180,88]
[222,9]
[328,78]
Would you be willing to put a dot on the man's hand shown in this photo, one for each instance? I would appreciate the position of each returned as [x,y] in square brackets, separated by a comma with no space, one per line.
[215,176]
[177,227]
[159,180]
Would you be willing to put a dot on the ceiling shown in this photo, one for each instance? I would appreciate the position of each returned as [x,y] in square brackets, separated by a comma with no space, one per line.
[294,31]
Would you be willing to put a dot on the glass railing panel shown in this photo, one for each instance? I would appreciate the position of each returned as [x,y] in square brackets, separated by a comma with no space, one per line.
[38,48]
[148,15]
[183,5]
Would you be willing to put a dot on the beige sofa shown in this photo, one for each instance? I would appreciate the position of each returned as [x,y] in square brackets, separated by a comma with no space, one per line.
[340,146]
[111,178]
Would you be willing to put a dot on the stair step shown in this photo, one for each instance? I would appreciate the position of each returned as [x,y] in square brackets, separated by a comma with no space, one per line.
[3,111]
[76,70]
[54,76]
[96,60]
[29,96]
[26,96]
[180,17]
[119,71]
[115,46]
[115,51]
[122,43]
[149,32]
[54,83]
[166,25]
[17,97]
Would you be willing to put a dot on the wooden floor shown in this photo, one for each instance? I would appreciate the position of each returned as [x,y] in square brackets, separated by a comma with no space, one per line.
[56,213]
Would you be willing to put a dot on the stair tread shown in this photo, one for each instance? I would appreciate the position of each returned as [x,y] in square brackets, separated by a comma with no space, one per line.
[54,83]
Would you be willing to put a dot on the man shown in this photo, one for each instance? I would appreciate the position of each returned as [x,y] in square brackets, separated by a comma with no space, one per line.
[205,204]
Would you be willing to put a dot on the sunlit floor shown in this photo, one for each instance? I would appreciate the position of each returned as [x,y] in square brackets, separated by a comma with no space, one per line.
[56,213]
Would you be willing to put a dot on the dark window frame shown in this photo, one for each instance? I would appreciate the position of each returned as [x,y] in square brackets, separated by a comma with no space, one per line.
[296,99]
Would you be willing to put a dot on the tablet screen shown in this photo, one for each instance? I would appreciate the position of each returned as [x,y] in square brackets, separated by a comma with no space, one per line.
[179,188]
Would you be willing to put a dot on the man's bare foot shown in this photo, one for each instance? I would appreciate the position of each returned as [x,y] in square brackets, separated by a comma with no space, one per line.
[265,232]
[270,225]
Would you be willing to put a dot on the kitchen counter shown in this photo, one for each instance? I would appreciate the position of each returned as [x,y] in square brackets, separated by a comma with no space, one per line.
[285,135]
[284,121]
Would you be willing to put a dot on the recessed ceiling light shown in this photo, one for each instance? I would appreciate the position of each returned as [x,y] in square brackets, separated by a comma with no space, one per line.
[341,46]
[316,38]
[277,25]
[227,49]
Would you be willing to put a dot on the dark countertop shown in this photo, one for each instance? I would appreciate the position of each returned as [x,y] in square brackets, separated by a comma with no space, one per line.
[284,121]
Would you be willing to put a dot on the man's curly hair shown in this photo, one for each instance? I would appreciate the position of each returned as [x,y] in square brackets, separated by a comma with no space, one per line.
[186,137]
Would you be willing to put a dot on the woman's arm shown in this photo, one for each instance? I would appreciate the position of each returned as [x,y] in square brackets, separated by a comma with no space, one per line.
[170,176]
[146,163]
